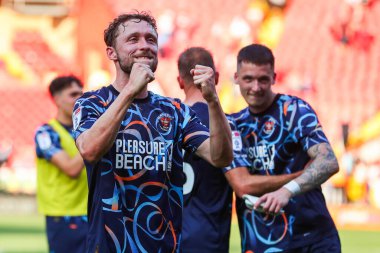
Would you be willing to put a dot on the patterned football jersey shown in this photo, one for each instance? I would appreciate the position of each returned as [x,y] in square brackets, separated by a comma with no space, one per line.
[136,196]
[276,142]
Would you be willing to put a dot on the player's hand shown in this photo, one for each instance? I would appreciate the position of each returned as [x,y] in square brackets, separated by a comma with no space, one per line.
[273,202]
[204,78]
[140,76]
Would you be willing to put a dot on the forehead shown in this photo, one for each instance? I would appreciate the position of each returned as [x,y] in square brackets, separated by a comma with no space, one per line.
[136,26]
[249,68]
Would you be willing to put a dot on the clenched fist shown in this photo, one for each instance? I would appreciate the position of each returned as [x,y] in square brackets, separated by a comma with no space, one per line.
[140,76]
[204,78]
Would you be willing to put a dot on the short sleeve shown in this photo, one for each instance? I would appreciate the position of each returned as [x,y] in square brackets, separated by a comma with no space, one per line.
[305,126]
[47,142]
[87,110]
[194,131]
[239,149]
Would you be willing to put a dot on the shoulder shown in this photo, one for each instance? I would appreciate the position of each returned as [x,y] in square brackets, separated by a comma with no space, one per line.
[98,99]
[294,104]
[45,128]
[103,93]
[155,98]
[238,117]
[170,103]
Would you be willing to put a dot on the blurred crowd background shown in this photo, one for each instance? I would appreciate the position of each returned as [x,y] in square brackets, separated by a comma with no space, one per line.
[327,52]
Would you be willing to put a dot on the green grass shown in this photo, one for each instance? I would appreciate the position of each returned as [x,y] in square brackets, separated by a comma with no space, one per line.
[26,234]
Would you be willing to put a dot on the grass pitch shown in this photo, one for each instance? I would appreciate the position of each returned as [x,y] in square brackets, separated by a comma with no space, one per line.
[26,234]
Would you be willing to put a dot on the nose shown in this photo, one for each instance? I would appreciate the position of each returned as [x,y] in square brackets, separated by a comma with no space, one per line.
[255,85]
[143,44]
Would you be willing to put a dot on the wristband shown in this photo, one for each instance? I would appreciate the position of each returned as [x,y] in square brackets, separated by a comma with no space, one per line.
[293,187]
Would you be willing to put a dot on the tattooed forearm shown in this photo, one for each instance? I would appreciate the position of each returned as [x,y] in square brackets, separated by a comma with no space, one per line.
[322,166]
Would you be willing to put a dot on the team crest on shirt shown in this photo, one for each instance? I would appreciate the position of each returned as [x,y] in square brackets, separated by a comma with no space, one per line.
[164,121]
[269,126]
[77,115]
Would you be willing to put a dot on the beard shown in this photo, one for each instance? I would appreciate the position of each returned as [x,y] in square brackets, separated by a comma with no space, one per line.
[126,66]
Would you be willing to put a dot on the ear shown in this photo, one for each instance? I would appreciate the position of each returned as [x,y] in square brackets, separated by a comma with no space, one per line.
[180,82]
[236,78]
[274,77]
[56,100]
[111,53]
[216,77]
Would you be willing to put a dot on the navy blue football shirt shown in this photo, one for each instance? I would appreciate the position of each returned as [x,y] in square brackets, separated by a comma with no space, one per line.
[207,202]
[277,141]
[136,197]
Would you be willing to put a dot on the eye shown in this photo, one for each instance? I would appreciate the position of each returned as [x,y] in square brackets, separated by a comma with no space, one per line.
[132,39]
[248,79]
[152,39]
[264,79]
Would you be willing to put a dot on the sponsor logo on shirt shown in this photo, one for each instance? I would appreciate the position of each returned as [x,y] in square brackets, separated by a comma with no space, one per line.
[44,140]
[262,157]
[139,154]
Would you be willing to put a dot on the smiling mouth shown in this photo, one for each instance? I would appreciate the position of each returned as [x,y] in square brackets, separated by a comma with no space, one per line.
[143,58]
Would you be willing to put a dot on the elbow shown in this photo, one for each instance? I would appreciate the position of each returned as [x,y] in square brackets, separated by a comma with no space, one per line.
[74,174]
[244,188]
[334,168]
[224,160]
[239,191]
[88,154]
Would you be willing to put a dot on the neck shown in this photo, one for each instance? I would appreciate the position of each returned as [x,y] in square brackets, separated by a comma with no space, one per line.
[122,80]
[193,95]
[64,118]
[267,105]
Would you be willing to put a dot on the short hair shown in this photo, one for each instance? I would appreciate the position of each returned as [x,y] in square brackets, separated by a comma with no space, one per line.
[256,54]
[62,82]
[191,57]
[111,32]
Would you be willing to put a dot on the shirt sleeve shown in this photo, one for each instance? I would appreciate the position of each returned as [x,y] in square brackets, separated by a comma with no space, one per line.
[306,128]
[47,142]
[194,131]
[239,149]
[87,110]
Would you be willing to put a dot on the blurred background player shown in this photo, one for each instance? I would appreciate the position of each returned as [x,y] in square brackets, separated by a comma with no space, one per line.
[207,193]
[61,179]
[283,135]
[132,142]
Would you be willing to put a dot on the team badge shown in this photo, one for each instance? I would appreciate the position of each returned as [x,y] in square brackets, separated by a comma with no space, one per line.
[164,121]
[269,126]
[237,143]
[77,116]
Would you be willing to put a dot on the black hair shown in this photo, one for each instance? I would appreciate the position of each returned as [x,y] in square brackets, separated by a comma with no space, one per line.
[62,82]
[257,54]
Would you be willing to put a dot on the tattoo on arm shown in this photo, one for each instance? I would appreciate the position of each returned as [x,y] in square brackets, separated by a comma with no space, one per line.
[322,166]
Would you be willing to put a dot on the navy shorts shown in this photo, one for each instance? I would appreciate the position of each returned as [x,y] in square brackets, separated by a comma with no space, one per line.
[329,244]
[67,233]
